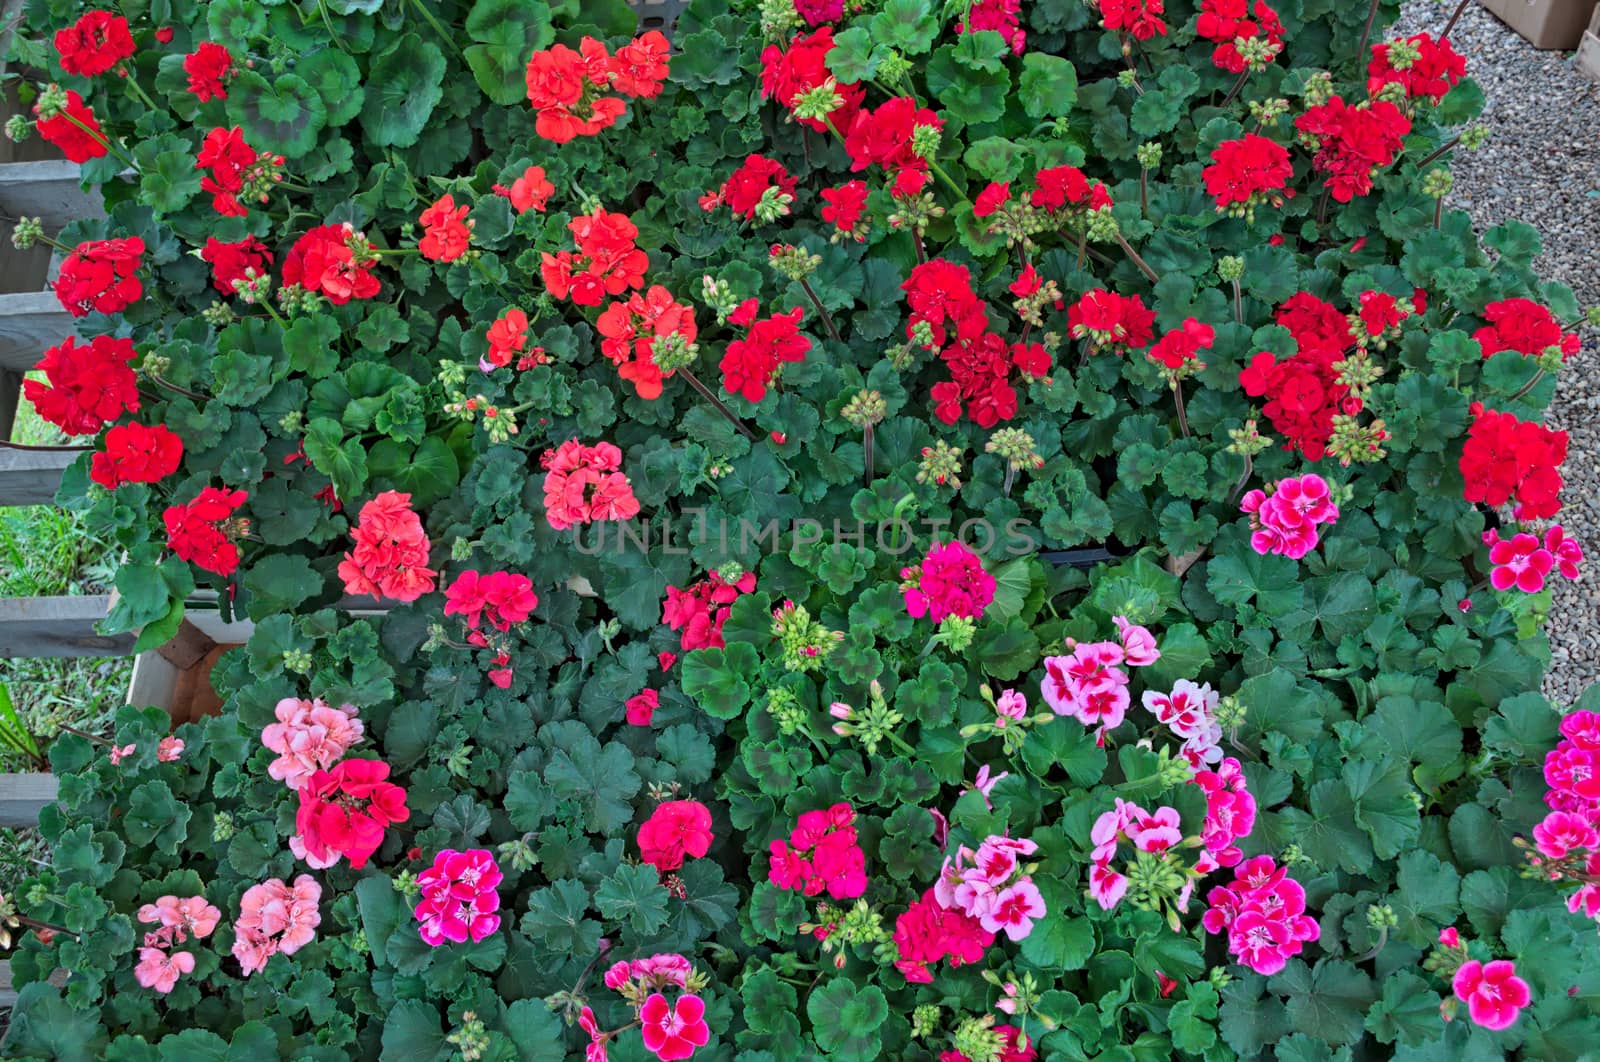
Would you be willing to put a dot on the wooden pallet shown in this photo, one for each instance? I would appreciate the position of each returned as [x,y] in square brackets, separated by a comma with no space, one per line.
[1588,58]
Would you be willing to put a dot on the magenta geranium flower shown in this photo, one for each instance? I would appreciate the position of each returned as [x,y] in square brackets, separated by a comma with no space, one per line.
[1493,992]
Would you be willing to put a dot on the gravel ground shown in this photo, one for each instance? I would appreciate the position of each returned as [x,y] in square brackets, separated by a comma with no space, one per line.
[1542,165]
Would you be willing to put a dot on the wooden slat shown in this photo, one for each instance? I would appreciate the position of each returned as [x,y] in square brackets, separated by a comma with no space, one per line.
[58,626]
[51,191]
[8,993]
[10,397]
[23,796]
[30,477]
[30,322]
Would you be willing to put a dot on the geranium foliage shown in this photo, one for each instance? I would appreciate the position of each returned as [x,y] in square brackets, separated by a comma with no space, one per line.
[982,531]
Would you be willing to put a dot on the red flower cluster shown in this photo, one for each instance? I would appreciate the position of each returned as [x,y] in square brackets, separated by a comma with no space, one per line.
[928,932]
[390,558]
[750,184]
[584,483]
[509,336]
[1506,458]
[700,609]
[1181,346]
[94,44]
[230,262]
[236,169]
[195,534]
[677,828]
[531,191]
[86,386]
[567,87]
[500,597]
[629,331]
[884,137]
[1352,143]
[1141,19]
[606,262]
[335,260]
[788,73]
[1002,16]
[1118,323]
[135,453]
[1304,392]
[1246,172]
[1433,72]
[1227,22]
[641,707]
[845,205]
[1524,326]
[73,129]
[1056,188]
[946,313]
[209,67]
[822,854]
[447,233]
[750,362]
[345,811]
[101,275]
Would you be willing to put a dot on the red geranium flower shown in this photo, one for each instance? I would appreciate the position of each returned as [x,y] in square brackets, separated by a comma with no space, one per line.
[789,72]
[390,558]
[1524,326]
[699,610]
[1227,22]
[209,67]
[1505,458]
[1139,18]
[749,363]
[564,86]
[229,262]
[641,707]
[1109,321]
[195,534]
[629,332]
[73,129]
[508,336]
[86,386]
[1183,344]
[640,66]
[845,205]
[531,191]
[883,136]
[744,190]
[237,170]
[584,483]
[94,44]
[1247,171]
[677,828]
[606,263]
[101,275]
[1433,72]
[991,199]
[501,597]
[334,260]
[135,453]
[673,1033]
[1057,187]
[446,231]
[345,811]
[1353,143]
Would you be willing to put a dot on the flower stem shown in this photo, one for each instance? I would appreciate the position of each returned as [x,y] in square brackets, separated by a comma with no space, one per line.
[1010,480]
[86,736]
[429,18]
[1183,417]
[827,321]
[705,393]
[1238,304]
[139,91]
[1144,192]
[1237,85]
[1454,17]
[1144,267]
[938,171]
[1249,467]
[1530,385]
[103,139]
[169,385]
[1438,212]
[916,242]
[1446,146]
[866,446]
[1366,32]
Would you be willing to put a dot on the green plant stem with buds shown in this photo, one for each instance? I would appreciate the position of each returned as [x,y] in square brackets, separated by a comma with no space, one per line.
[822,312]
[1530,385]
[1249,467]
[1183,417]
[1237,86]
[939,172]
[1440,150]
[1144,267]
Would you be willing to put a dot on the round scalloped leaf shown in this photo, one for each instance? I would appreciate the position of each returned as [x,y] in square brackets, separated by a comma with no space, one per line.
[337,80]
[404,86]
[505,32]
[282,116]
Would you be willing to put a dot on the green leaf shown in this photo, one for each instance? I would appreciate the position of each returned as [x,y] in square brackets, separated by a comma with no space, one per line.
[1048,86]
[506,32]
[341,460]
[279,583]
[533,1028]
[337,80]
[156,817]
[845,1018]
[715,678]
[601,779]
[1243,576]
[412,1033]
[556,917]
[168,178]
[908,25]
[1408,1011]
[1190,1020]
[403,86]
[283,115]
[1329,1001]
[44,1025]
[1059,941]
[634,894]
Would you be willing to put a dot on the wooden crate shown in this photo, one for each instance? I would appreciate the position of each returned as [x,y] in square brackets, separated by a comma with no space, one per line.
[1588,58]
[1546,24]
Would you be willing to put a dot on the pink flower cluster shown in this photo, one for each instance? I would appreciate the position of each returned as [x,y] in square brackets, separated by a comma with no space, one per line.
[699,609]
[179,920]
[658,971]
[1089,685]
[928,932]
[500,597]
[459,897]
[670,1031]
[950,581]
[309,736]
[1285,520]
[583,484]
[273,918]
[167,751]
[1571,831]
[992,886]
[1522,561]
[1492,991]
[1189,711]
[1146,831]
[1263,911]
[822,854]
[390,558]
[1230,811]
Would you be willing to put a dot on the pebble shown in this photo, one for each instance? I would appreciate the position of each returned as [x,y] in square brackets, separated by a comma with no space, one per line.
[1541,165]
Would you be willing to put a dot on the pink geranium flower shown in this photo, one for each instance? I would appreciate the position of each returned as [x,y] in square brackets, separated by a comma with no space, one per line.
[1493,992]
[1014,910]
[673,1032]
